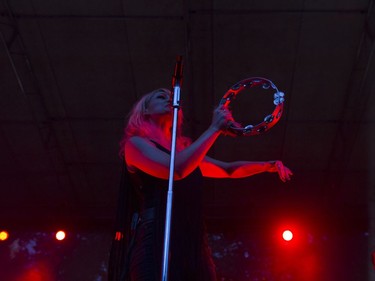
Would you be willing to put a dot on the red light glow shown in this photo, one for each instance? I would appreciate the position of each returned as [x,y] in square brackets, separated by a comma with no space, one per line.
[60,235]
[3,235]
[287,235]
[36,271]
[119,236]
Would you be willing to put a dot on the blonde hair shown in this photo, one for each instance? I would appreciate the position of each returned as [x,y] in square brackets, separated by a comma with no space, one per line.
[139,125]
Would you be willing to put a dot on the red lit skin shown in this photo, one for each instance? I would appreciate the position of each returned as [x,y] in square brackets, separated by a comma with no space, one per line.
[142,154]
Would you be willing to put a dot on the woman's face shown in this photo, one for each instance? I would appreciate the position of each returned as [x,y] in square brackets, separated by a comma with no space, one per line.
[158,104]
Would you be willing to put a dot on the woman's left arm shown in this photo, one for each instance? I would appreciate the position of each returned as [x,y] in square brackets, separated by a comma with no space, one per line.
[239,169]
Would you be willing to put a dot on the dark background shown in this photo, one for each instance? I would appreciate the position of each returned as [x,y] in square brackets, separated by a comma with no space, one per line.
[70,71]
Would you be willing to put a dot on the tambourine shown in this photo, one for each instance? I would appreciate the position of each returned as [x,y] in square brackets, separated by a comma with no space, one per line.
[270,120]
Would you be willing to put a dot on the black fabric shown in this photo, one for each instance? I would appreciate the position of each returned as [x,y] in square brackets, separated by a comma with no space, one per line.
[190,257]
[127,205]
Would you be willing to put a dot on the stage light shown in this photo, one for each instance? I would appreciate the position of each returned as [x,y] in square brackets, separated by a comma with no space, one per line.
[119,236]
[3,235]
[287,235]
[60,235]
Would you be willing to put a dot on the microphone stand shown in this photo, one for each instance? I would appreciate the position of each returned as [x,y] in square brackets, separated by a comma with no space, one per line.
[176,83]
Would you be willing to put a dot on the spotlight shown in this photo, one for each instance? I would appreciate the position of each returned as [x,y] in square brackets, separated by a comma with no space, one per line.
[3,235]
[287,235]
[60,235]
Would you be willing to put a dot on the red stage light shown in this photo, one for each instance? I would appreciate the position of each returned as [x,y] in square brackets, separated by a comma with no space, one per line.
[287,235]
[3,235]
[60,235]
[119,236]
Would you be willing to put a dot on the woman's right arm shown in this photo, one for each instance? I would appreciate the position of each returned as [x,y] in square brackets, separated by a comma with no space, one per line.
[144,155]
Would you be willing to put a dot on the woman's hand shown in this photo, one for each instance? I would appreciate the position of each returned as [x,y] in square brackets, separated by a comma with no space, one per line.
[284,172]
[222,119]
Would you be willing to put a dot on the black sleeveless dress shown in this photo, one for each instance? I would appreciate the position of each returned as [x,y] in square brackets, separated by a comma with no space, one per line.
[190,257]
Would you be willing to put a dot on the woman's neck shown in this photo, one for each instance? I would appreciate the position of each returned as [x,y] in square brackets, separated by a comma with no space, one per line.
[161,134]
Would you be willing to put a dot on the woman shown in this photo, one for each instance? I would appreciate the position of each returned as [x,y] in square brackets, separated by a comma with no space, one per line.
[146,150]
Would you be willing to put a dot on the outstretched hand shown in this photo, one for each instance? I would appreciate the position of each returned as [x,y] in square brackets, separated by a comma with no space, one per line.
[284,172]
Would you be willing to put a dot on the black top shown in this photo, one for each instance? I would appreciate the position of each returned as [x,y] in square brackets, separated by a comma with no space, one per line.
[190,256]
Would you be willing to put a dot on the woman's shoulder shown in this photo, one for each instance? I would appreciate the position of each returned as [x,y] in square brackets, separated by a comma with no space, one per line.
[134,147]
[134,139]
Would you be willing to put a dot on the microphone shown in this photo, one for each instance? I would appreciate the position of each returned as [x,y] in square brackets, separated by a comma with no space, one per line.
[177,75]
